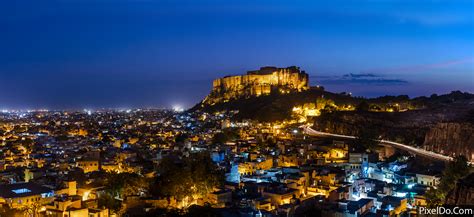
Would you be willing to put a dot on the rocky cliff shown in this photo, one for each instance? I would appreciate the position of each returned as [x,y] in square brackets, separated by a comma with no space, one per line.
[264,81]
[451,139]
[399,127]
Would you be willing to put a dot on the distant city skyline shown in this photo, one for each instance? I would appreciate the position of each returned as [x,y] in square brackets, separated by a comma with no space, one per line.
[72,54]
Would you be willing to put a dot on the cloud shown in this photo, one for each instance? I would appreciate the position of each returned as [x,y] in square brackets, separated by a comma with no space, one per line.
[422,67]
[386,76]
[360,78]
[362,75]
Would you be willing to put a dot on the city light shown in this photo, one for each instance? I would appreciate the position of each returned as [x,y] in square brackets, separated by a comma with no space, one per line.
[88,111]
[159,108]
[85,195]
[178,108]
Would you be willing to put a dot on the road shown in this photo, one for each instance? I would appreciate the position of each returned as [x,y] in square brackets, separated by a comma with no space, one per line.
[408,148]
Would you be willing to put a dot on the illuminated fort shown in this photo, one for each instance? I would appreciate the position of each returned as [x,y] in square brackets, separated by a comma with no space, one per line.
[264,81]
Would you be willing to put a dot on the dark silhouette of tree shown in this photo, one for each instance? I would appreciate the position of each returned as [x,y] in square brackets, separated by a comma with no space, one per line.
[363,106]
[109,202]
[366,139]
[185,179]
[192,211]
[266,142]
[181,138]
[125,184]
[226,135]
[220,138]
[204,211]
[78,175]
[375,107]
[455,170]
[121,185]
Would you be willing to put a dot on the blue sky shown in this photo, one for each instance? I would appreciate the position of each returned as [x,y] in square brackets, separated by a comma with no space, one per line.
[144,53]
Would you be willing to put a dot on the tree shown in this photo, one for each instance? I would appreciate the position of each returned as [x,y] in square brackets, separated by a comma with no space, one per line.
[226,135]
[125,184]
[109,202]
[187,179]
[219,138]
[454,171]
[325,103]
[119,186]
[375,107]
[181,138]
[199,211]
[78,175]
[266,142]
[363,106]
[366,139]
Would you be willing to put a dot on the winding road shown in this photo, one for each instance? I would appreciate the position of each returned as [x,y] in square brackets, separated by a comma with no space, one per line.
[309,131]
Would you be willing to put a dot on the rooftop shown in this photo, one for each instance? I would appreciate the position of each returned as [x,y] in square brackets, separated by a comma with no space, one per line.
[22,190]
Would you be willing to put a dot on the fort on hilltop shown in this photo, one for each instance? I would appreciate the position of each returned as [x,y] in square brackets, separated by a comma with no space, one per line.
[264,81]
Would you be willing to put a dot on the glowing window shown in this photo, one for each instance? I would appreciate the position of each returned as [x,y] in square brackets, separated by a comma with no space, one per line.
[21,191]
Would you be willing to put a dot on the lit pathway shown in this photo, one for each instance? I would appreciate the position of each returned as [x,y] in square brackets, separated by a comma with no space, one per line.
[408,148]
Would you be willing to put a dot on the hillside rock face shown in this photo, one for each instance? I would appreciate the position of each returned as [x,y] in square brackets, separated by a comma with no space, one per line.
[435,130]
[451,139]
[399,127]
[259,82]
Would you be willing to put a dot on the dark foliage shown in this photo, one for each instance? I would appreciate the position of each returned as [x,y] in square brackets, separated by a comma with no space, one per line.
[185,178]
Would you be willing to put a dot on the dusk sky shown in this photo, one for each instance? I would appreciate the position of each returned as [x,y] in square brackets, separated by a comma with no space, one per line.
[144,53]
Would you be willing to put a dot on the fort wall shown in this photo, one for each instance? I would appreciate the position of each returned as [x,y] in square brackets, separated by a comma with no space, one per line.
[264,81]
